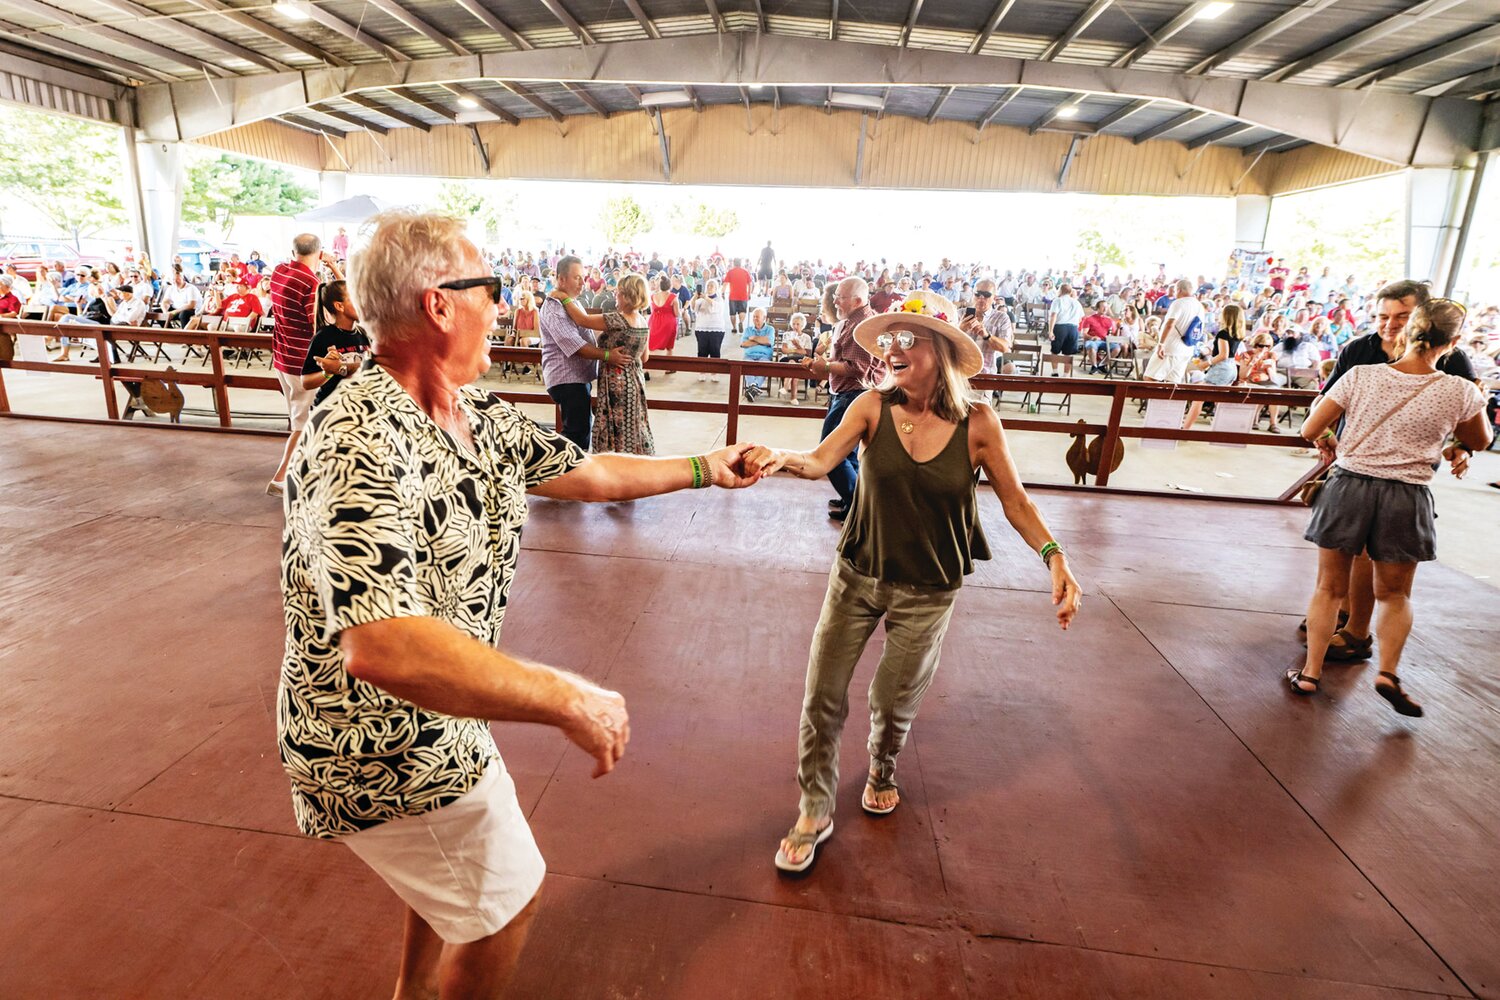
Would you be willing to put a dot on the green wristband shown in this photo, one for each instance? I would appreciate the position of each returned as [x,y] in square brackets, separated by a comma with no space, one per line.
[1049,550]
[606,355]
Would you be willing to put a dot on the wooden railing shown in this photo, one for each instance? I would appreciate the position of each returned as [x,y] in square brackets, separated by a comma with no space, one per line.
[218,380]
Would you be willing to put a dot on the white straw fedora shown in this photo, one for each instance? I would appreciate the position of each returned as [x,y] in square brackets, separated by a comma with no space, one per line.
[927,311]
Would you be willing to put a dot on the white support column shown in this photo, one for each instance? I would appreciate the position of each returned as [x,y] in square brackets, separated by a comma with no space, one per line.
[1252,214]
[1434,207]
[331,185]
[160,171]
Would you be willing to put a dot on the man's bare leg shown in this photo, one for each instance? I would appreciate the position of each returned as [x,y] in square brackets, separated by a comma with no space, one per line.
[480,969]
[421,950]
[286,457]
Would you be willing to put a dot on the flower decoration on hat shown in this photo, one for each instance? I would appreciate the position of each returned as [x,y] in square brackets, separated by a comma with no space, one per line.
[919,305]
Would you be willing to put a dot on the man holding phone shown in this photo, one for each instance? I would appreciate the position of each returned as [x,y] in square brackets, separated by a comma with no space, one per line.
[988,322]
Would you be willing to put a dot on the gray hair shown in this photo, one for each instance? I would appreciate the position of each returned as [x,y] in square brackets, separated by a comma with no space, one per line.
[857,287]
[407,253]
[1184,286]
[306,245]
[6,280]
[565,263]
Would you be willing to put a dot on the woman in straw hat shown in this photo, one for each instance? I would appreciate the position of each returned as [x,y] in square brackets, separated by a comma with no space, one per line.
[911,535]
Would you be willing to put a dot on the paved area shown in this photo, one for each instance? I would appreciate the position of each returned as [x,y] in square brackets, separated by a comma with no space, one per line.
[1135,808]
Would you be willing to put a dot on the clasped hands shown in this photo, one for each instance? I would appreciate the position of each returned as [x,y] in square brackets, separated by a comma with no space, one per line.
[742,465]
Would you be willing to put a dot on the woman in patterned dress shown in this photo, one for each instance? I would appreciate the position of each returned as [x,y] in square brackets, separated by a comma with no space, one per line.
[621,423]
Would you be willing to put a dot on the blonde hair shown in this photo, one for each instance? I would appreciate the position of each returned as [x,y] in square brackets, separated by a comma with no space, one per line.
[407,253]
[631,293]
[527,301]
[953,397]
[1436,324]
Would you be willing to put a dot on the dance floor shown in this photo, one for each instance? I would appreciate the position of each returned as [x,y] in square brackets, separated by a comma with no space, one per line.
[1134,808]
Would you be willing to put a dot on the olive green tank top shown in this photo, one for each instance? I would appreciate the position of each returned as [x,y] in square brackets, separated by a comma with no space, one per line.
[914,522]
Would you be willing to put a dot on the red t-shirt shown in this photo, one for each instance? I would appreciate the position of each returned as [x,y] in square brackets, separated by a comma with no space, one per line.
[9,303]
[1096,326]
[738,279]
[240,306]
[293,290]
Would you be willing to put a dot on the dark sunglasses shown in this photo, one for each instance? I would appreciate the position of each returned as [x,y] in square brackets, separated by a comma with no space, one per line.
[984,295]
[463,283]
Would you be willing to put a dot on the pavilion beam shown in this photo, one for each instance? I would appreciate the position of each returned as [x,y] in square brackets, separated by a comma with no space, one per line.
[911,22]
[365,101]
[1457,47]
[487,17]
[1475,84]
[937,105]
[352,32]
[561,13]
[71,20]
[1270,145]
[1116,117]
[999,106]
[1171,125]
[1067,163]
[1414,14]
[485,104]
[479,147]
[97,57]
[1161,35]
[531,98]
[421,27]
[1075,102]
[269,31]
[717,15]
[307,124]
[666,153]
[647,25]
[349,119]
[1222,135]
[833,22]
[195,34]
[996,16]
[582,93]
[1400,129]
[1077,28]
[1264,33]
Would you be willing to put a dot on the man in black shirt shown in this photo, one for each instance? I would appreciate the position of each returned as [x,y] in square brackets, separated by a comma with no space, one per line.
[1394,305]
[764,273]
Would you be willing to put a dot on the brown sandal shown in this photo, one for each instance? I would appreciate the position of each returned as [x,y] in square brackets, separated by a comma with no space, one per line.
[1394,694]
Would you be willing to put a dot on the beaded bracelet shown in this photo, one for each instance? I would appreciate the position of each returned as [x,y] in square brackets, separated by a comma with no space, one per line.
[1048,550]
[701,477]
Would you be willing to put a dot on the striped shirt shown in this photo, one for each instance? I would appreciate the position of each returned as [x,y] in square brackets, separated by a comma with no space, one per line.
[293,290]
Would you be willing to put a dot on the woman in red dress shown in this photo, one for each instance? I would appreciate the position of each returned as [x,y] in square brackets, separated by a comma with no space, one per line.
[662,334]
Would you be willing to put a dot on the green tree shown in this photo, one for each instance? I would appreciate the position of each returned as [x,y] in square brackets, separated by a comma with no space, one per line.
[701,220]
[1097,250]
[623,219]
[67,169]
[221,188]
[465,201]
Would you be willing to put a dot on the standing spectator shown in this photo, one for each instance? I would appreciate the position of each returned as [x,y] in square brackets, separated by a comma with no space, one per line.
[1181,325]
[294,292]
[849,369]
[1376,501]
[571,356]
[341,245]
[183,300]
[711,322]
[737,282]
[621,421]
[255,265]
[339,347]
[766,269]
[666,315]
[1063,318]
[1223,369]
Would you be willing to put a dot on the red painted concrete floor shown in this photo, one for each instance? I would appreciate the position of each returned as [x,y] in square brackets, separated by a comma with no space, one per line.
[1136,808]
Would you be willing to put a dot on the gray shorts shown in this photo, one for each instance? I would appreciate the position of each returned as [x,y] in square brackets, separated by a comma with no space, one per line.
[1392,520]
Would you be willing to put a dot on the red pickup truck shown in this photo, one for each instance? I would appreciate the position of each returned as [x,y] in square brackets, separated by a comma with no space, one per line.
[31,257]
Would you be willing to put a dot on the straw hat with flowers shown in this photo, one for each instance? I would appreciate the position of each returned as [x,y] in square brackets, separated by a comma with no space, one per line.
[924,312]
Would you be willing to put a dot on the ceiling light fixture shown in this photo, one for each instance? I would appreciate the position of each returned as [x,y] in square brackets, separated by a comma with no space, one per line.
[864,102]
[1213,11]
[468,102]
[1068,111]
[294,9]
[664,97]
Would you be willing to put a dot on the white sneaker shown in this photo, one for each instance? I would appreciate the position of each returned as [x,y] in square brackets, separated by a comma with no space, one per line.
[796,401]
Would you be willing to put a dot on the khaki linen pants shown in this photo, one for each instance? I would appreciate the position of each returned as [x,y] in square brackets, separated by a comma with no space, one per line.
[916,619]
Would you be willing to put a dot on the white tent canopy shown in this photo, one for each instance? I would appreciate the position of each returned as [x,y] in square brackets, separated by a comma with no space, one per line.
[351,210]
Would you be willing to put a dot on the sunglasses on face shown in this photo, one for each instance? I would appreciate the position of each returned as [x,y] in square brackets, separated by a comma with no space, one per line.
[984,295]
[903,338]
[493,283]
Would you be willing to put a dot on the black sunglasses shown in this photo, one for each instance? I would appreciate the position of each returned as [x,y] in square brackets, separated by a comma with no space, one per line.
[493,283]
[984,295]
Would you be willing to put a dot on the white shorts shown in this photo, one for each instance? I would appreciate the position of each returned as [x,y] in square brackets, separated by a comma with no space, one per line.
[1172,368]
[467,868]
[298,400]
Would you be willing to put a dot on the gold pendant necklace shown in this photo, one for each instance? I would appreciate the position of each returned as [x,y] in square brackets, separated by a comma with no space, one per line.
[907,427]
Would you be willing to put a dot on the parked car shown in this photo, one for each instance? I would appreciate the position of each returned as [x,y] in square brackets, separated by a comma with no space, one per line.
[201,254]
[33,256]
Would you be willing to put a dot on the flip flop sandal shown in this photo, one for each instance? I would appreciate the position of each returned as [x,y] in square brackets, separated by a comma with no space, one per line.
[877,785]
[1295,678]
[1397,697]
[799,839]
[1346,648]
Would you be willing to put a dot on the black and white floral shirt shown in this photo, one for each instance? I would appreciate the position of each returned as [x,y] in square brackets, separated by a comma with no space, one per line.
[388,517]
